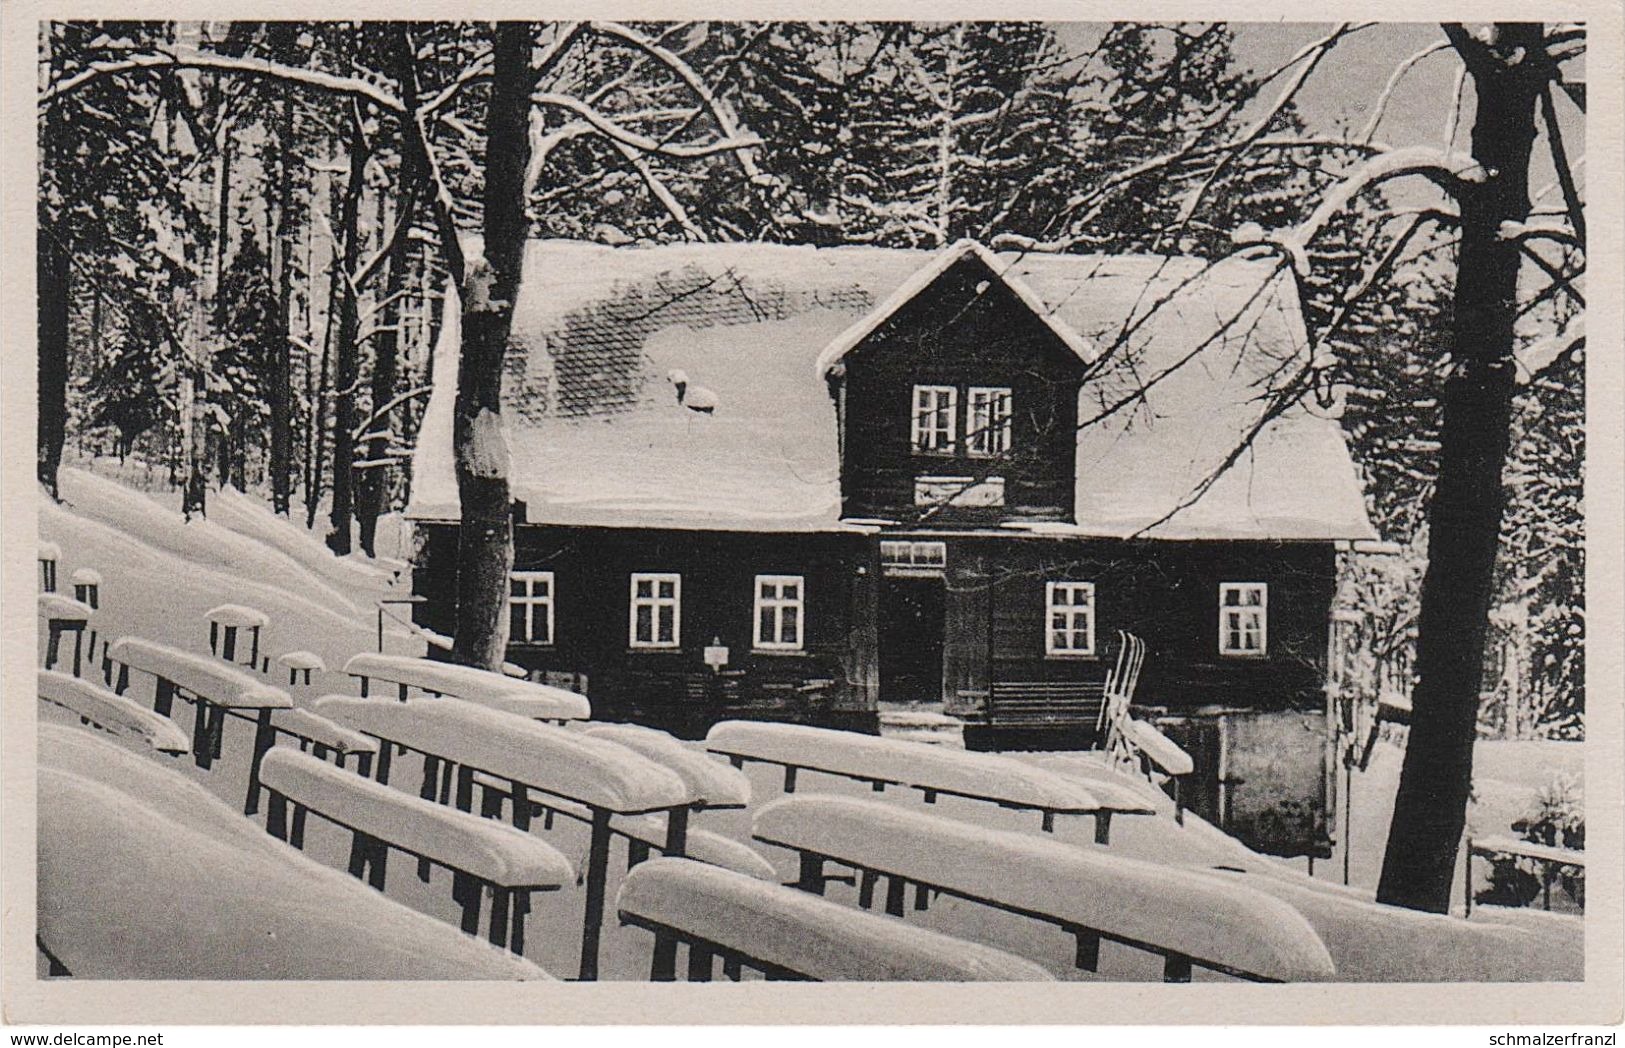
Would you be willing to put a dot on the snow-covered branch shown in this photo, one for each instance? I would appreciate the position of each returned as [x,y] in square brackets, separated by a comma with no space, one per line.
[1380,108]
[188,58]
[1535,358]
[613,130]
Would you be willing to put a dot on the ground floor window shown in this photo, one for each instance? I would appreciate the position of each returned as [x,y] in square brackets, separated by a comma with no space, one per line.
[530,607]
[656,609]
[780,603]
[1243,618]
[1071,618]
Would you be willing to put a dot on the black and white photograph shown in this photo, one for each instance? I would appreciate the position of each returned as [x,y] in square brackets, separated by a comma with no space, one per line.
[969,501]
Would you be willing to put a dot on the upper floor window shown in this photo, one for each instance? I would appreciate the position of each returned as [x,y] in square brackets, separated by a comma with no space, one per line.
[936,413]
[1243,618]
[1071,618]
[530,607]
[657,607]
[780,603]
[987,420]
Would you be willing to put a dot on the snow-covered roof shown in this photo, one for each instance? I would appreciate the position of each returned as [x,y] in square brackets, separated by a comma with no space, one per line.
[597,435]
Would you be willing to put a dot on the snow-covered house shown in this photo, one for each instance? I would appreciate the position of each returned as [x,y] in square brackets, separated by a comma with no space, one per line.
[792,482]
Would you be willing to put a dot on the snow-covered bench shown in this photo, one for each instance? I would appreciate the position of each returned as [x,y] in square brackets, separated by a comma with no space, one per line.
[786,934]
[884,762]
[482,856]
[215,690]
[111,713]
[1185,917]
[49,554]
[319,736]
[225,621]
[1550,859]
[300,662]
[718,785]
[495,691]
[63,615]
[533,758]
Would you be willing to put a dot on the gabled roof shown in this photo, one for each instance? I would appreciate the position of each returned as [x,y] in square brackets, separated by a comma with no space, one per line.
[925,277]
[1185,348]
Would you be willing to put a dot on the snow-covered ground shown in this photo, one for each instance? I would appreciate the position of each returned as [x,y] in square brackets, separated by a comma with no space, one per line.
[161,576]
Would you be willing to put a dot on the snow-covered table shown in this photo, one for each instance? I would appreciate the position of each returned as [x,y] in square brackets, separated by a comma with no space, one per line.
[483,856]
[1186,917]
[214,688]
[111,713]
[932,770]
[495,691]
[786,934]
[603,777]
[225,621]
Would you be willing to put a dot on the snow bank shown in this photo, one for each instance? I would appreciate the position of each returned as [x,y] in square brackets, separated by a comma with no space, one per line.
[199,541]
[322,731]
[113,713]
[144,875]
[489,850]
[237,615]
[253,519]
[981,775]
[207,678]
[544,756]
[56,606]
[1374,943]
[718,785]
[804,933]
[492,690]
[1177,910]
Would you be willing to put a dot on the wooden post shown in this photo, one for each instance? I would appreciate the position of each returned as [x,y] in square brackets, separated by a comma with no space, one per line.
[597,873]
[811,877]
[264,739]
[895,887]
[663,967]
[699,962]
[676,832]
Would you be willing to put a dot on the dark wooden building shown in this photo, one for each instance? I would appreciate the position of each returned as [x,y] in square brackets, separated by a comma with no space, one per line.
[797,483]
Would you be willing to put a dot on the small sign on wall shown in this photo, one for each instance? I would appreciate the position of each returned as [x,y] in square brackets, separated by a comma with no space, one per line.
[958,491]
[716,655]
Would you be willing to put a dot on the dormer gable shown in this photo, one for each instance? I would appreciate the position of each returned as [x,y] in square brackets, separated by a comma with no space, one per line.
[957,399]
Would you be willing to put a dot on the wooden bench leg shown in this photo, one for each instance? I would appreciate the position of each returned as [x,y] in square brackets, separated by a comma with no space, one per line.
[202,744]
[1087,957]
[922,897]
[214,638]
[930,796]
[123,684]
[597,873]
[789,780]
[1103,827]
[358,853]
[276,816]
[1176,968]
[228,645]
[377,862]
[363,765]
[676,833]
[490,803]
[446,770]
[521,806]
[296,836]
[737,762]
[700,958]
[521,909]
[468,892]
[163,698]
[264,739]
[78,642]
[636,852]
[499,916]
[217,729]
[663,966]
[811,875]
[895,887]
[428,791]
[866,888]
[53,642]
[465,788]
[1049,822]
[385,750]
[730,967]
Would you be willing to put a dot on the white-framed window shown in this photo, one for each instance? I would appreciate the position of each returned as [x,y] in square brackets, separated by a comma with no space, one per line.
[657,609]
[1070,618]
[781,603]
[936,414]
[1244,618]
[530,607]
[987,420]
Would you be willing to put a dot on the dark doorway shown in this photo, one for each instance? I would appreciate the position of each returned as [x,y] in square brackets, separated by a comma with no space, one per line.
[912,617]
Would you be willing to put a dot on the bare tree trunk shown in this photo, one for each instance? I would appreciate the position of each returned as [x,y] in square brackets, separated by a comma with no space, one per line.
[221,432]
[280,393]
[54,268]
[346,354]
[485,537]
[1464,517]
